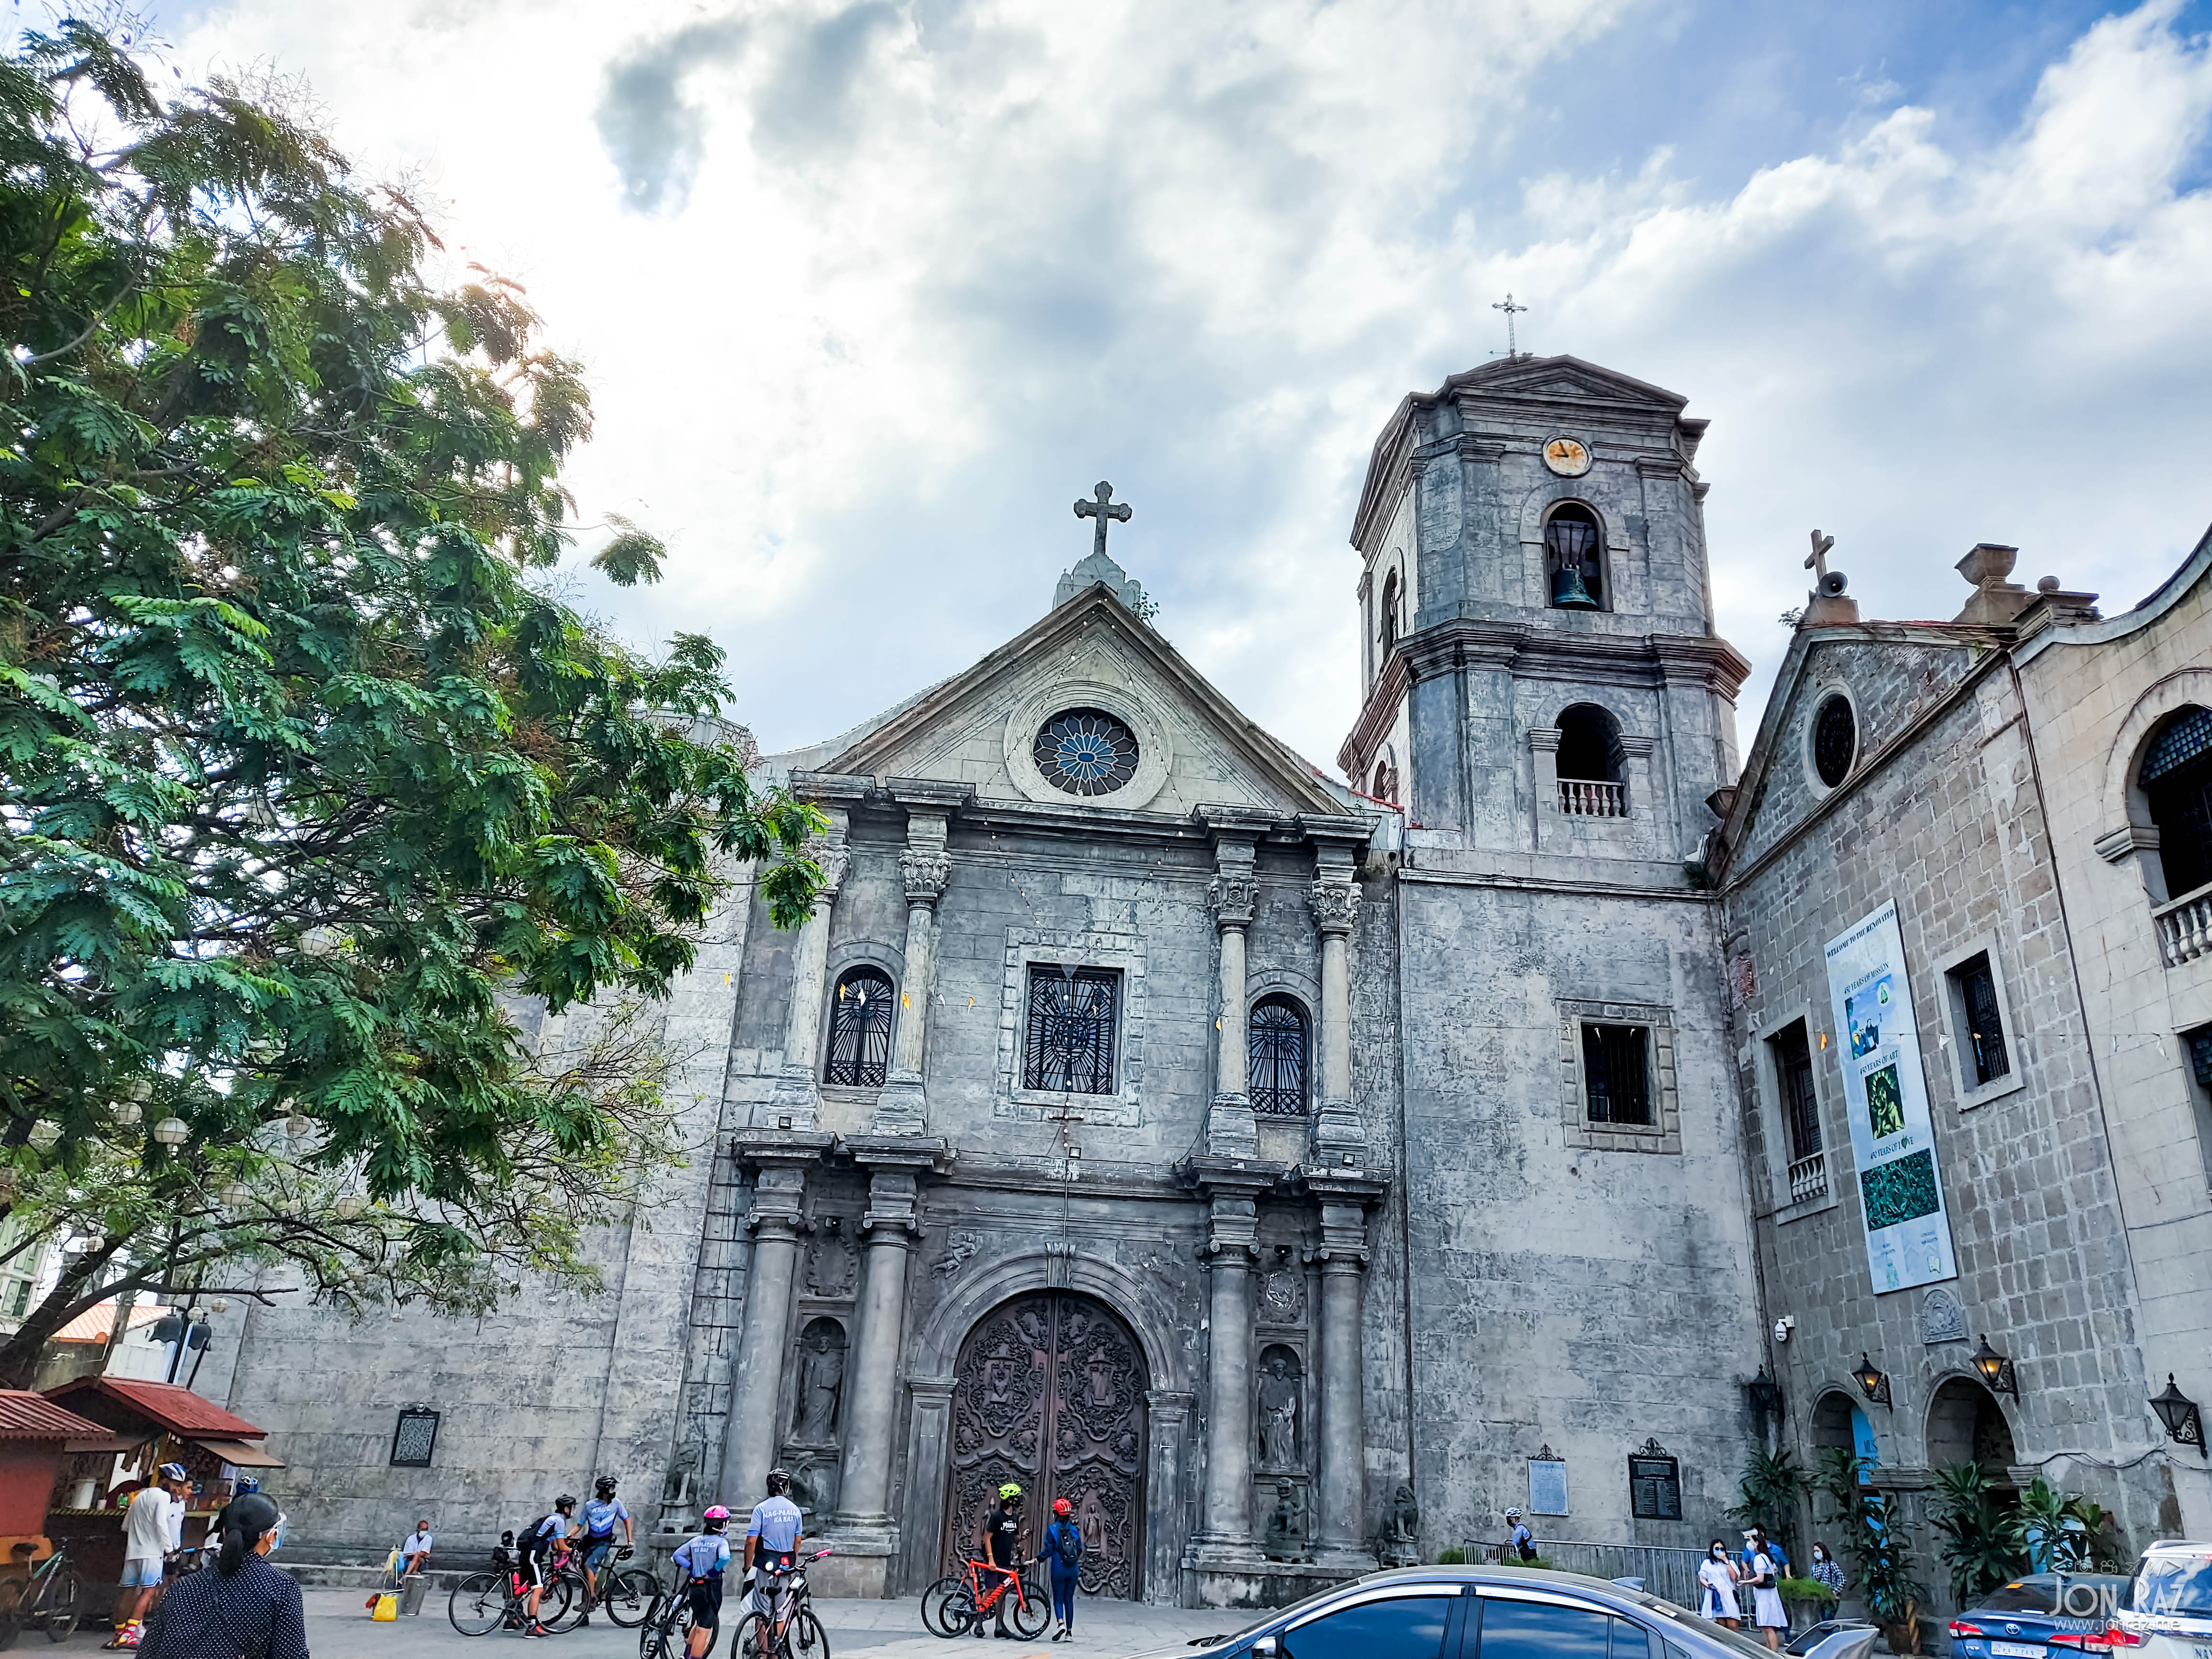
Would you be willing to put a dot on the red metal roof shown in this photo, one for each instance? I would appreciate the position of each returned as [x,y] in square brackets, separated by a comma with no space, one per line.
[27,1416]
[177,1410]
[94,1322]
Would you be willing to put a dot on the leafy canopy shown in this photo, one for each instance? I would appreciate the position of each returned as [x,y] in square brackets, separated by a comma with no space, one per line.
[302,771]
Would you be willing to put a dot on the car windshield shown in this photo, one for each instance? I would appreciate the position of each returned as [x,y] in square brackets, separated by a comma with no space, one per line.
[2174,1586]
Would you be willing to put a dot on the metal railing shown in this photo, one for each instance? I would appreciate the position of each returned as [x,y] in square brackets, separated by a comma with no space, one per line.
[2185,927]
[1671,1574]
[1808,1178]
[1580,798]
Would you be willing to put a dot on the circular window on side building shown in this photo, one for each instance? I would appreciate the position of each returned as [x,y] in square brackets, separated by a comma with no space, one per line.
[1835,739]
[1085,752]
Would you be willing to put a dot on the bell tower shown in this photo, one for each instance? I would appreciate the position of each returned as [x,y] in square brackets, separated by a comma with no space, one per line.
[1540,669]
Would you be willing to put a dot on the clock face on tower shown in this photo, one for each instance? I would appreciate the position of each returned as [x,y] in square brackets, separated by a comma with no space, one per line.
[1568,456]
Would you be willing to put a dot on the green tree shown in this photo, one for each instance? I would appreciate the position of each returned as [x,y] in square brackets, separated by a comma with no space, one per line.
[1982,1535]
[306,779]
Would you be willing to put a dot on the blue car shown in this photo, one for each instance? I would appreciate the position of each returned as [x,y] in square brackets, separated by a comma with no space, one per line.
[2020,1621]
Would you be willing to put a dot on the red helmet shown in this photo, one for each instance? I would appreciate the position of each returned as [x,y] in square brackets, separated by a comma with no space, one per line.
[1061,1506]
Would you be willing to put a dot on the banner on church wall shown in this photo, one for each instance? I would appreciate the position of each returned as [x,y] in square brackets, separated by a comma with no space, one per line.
[1886,1098]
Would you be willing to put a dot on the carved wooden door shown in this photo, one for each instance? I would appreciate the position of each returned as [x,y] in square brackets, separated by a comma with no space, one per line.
[1050,1394]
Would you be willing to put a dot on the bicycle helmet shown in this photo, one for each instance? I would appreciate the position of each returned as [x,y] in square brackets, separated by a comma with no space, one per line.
[173,1472]
[605,1486]
[1061,1506]
[565,1502]
[779,1482]
[246,1483]
[1010,1490]
[717,1517]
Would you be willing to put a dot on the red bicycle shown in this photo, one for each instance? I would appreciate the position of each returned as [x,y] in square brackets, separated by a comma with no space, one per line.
[958,1602]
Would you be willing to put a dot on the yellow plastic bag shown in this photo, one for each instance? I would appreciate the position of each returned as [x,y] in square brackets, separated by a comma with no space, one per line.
[388,1608]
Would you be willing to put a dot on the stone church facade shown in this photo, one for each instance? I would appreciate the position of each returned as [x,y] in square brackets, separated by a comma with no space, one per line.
[1294,1177]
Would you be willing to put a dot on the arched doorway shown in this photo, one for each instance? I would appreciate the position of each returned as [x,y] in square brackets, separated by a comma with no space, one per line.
[1966,1425]
[1049,1392]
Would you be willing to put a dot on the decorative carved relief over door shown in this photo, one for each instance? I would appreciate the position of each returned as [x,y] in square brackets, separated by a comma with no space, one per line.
[1050,1394]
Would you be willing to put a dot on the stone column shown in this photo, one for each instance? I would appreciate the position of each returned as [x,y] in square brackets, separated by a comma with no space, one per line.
[1225,1539]
[1544,749]
[798,1094]
[751,1439]
[902,1107]
[1167,1416]
[1337,1128]
[1230,1128]
[1343,1255]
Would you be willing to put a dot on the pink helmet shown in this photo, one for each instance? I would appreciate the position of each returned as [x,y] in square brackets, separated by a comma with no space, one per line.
[716,1512]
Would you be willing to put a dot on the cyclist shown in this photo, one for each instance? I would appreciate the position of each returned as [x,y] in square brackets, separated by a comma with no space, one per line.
[595,1538]
[147,1543]
[535,1543]
[1063,1549]
[772,1538]
[1000,1536]
[702,1561]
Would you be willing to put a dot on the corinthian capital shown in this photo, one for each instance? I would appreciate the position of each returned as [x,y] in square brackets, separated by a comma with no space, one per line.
[1230,898]
[926,874]
[1335,904]
[833,860]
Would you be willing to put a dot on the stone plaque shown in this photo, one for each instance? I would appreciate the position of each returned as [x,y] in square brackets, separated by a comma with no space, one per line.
[1655,1484]
[1942,1318]
[414,1438]
[1547,1485]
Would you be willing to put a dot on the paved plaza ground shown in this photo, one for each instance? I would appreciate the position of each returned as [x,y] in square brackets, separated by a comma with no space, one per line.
[339,1627]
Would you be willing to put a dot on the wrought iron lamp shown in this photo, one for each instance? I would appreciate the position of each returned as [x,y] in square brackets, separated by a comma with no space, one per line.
[2185,1424]
[1764,1394]
[1873,1381]
[1995,1369]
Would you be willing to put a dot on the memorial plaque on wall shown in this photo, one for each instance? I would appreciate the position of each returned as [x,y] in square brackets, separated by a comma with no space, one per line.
[1655,1484]
[1547,1485]
[414,1438]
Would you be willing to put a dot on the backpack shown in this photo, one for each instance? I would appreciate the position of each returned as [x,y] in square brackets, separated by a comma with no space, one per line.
[1068,1544]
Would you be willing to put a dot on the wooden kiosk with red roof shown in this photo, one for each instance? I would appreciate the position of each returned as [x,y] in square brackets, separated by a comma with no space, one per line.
[35,1435]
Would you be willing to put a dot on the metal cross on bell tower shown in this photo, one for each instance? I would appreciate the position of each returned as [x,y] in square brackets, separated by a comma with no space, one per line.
[1103,508]
[1512,345]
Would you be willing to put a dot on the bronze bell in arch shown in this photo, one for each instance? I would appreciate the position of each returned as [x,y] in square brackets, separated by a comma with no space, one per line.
[1569,537]
[1568,593]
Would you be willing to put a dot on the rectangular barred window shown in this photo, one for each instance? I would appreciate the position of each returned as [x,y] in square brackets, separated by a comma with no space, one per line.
[1792,1070]
[1074,1014]
[1617,1074]
[1985,1056]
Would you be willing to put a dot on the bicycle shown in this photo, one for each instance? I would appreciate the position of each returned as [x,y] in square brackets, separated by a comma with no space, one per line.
[957,1602]
[482,1603]
[54,1593]
[628,1599]
[667,1632]
[790,1620]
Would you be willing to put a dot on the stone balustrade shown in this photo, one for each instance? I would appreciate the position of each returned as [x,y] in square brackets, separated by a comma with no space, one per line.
[2185,927]
[1808,1178]
[1584,798]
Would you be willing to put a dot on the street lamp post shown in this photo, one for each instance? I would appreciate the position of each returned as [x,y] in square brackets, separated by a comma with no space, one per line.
[2184,1424]
[1873,1381]
[1996,1369]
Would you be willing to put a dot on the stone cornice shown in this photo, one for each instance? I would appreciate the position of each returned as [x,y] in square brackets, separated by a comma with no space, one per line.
[824,788]
[1376,716]
[767,1149]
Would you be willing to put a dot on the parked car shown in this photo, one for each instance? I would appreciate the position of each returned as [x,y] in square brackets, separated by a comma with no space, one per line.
[2167,1611]
[1493,1613]
[2021,1619]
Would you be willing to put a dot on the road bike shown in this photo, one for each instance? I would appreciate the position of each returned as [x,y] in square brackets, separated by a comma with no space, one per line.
[958,1602]
[667,1632]
[53,1595]
[483,1602]
[788,1630]
[628,1599]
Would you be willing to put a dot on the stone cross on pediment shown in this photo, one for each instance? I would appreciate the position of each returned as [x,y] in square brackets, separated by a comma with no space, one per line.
[1104,507]
[1817,560]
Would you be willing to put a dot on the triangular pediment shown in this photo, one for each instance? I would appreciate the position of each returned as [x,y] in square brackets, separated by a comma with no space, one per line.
[1192,747]
[1563,377]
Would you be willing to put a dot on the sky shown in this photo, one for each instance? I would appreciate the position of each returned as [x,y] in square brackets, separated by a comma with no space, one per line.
[869,292]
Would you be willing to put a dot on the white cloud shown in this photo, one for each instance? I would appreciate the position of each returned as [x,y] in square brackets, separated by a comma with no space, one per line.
[869,292]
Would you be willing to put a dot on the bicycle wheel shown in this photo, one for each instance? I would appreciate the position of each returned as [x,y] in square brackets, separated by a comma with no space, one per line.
[808,1640]
[64,1605]
[11,1627]
[629,1596]
[573,1605]
[1028,1608]
[754,1640]
[936,1602]
[478,1606]
[658,1638]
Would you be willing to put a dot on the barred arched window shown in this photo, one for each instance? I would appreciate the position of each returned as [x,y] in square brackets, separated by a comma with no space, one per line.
[860,1030]
[1276,1083]
[2177,784]
[1388,629]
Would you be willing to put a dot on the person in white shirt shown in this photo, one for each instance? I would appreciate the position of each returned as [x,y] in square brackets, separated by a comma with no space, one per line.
[1716,1582]
[1767,1609]
[149,1535]
[414,1549]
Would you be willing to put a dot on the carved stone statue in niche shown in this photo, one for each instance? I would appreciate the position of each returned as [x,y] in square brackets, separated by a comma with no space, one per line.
[814,1485]
[821,1382]
[1287,1522]
[1280,1399]
[676,1491]
[829,1261]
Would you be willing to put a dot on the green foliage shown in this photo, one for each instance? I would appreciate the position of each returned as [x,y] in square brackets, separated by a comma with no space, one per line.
[1984,1538]
[2063,1533]
[1772,1486]
[1451,1558]
[303,776]
[1805,1589]
[1879,1550]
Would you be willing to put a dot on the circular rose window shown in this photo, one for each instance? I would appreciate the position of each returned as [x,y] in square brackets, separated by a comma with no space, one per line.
[1085,752]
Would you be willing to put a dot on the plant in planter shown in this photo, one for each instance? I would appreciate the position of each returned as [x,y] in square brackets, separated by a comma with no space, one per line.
[1877,1547]
[2067,1532]
[1806,1600]
[1984,1538]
